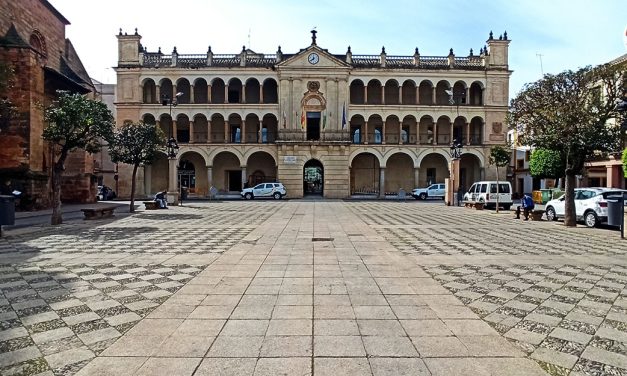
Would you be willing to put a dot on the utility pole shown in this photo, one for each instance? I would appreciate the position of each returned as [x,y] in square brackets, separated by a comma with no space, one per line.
[539,55]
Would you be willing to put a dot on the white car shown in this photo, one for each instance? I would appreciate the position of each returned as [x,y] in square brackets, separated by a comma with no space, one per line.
[432,191]
[273,190]
[590,205]
[485,192]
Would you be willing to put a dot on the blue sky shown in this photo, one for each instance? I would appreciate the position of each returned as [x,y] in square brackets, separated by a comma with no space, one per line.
[566,33]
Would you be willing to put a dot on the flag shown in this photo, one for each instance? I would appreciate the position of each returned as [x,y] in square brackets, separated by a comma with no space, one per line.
[344,116]
[284,119]
[303,120]
[324,120]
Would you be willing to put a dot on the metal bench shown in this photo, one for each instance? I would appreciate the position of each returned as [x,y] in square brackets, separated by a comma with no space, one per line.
[99,212]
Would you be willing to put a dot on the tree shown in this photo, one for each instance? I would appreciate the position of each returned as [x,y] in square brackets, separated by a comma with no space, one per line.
[568,113]
[625,162]
[546,164]
[74,122]
[499,157]
[136,145]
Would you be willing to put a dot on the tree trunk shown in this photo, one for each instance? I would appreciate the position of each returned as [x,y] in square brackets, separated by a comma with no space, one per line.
[57,175]
[570,214]
[132,208]
[497,189]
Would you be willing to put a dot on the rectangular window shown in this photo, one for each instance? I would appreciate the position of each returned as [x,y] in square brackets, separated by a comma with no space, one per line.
[483,188]
[527,155]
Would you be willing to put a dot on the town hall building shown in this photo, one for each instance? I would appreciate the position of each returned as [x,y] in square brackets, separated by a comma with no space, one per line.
[321,123]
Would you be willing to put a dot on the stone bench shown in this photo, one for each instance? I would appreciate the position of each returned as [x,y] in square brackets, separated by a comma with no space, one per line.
[99,212]
[151,205]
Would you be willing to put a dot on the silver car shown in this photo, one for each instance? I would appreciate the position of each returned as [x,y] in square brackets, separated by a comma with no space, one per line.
[590,205]
[268,190]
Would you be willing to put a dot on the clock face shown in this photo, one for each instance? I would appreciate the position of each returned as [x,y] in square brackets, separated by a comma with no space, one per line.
[313,58]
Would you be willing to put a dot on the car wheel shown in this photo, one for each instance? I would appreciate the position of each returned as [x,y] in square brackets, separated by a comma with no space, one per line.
[591,219]
[550,214]
[423,196]
[248,196]
[276,195]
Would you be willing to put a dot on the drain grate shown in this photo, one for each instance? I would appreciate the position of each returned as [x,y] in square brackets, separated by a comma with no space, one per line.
[321,239]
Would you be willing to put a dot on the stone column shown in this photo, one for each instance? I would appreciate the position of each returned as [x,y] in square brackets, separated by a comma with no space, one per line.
[261,93]
[226,93]
[242,98]
[208,93]
[243,134]
[175,130]
[400,94]
[467,96]
[158,93]
[173,194]
[244,176]
[260,133]
[467,133]
[382,94]
[382,182]
[365,94]
[227,133]
[400,133]
[452,134]
[418,94]
[435,133]
[365,133]
[147,179]
[383,133]
[433,95]
[209,178]
[191,131]
[209,131]
[191,93]
[416,177]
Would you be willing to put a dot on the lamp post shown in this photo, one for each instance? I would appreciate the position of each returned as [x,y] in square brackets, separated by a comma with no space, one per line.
[453,181]
[171,149]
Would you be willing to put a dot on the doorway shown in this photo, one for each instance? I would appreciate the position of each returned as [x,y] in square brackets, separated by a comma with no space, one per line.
[187,176]
[313,126]
[313,178]
[235,180]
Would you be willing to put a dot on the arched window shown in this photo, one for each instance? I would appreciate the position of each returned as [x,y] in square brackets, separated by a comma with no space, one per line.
[378,138]
[356,139]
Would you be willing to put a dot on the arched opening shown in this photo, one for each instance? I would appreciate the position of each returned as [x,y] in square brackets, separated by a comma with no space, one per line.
[459,93]
[227,172]
[476,131]
[425,92]
[187,176]
[476,94]
[201,129]
[182,129]
[217,129]
[441,95]
[365,170]
[410,130]
[469,170]
[235,91]
[270,91]
[217,91]
[251,129]
[409,92]
[270,129]
[235,129]
[313,178]
[357,129]
[149,119]
[433,169]
[158,174]
[374,92]
[183,86]
[443,130]
[200,91]
[460,130]
[391,92]
[357,92]
[149,91]
[399,173]
[392,130]
[166,90]
[426,126]
[375,130]
[261,167]
[165,124]
[252,91]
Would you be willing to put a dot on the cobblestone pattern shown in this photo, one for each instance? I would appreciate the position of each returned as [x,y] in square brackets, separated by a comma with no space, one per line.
[59,317]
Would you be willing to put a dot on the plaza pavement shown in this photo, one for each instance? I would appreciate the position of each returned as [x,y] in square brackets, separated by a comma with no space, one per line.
[323,287]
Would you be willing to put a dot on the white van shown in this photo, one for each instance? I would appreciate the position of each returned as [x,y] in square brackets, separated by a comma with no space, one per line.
[485,191]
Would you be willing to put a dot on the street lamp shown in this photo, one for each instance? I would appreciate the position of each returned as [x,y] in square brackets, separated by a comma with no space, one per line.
[456,149]
[171,145]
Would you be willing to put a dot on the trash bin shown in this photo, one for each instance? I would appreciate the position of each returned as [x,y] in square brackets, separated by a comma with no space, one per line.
[615,210]
[7,210]
[536,196]
[547,195]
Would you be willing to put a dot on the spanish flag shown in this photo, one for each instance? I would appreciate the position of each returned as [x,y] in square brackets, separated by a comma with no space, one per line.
[303,120]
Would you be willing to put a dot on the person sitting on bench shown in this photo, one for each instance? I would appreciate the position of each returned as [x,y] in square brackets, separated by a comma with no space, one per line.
[527,206]
[160,198]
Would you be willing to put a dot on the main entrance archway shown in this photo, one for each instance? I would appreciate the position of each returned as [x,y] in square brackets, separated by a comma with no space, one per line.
[313,178]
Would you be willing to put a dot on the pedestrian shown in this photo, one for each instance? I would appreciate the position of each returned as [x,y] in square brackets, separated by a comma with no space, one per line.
[527,205]
[160,198]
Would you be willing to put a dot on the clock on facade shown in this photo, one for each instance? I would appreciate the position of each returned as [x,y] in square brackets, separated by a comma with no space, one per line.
[313,58]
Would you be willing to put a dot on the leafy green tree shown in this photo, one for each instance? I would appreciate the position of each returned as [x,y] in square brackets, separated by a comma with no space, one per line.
[568,113]
[546,164]
[625,162]
[499,157]
[136,145]
[74,122]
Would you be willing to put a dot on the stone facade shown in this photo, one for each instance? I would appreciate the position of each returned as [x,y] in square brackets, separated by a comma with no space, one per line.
[33,45]
[320,123]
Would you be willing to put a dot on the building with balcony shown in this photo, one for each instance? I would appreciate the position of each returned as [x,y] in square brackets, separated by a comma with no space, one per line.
[335,125]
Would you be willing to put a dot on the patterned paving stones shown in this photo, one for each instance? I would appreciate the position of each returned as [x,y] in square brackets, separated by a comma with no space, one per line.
[328,287]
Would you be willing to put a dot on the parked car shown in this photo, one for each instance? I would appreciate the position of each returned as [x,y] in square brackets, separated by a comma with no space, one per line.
[590,205]
[485,192]
[105,193]
[273,190]
[432,191]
